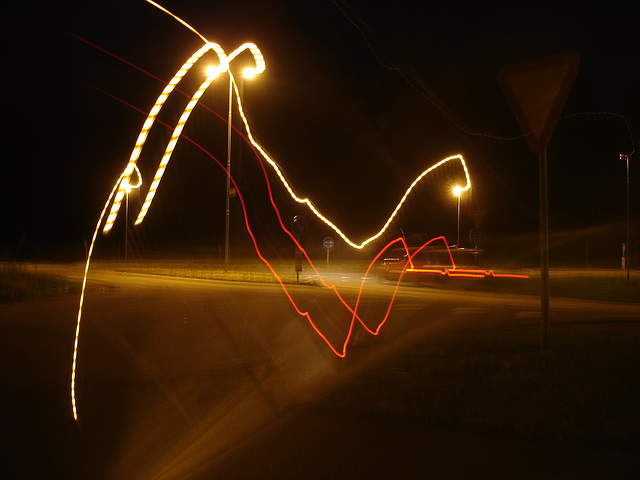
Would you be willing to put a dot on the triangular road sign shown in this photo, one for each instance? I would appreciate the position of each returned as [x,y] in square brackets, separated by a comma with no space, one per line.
[537,91]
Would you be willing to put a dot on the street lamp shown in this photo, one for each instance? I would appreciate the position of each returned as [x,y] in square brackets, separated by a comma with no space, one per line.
[126,221]
[247,73]
[228,198]
[626,247]
[457,191]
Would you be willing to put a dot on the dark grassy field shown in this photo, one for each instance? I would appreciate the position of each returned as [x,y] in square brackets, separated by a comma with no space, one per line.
[21,282]
[583,391]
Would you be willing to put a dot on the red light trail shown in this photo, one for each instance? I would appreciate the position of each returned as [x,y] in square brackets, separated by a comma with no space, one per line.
[338,348]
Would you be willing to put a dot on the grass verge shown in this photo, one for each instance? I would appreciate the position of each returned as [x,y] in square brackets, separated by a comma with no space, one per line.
[20,282]
[583,391]
[605,285]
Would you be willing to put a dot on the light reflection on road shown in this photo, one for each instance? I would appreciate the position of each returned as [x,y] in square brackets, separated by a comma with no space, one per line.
[177,372]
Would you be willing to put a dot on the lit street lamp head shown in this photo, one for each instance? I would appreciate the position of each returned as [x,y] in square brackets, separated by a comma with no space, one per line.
[212,72]
[127,185]
[249,73]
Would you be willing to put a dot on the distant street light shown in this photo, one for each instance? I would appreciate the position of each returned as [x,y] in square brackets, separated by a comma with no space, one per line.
[457,191]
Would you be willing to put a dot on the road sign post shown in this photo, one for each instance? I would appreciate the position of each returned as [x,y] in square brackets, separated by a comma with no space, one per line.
[328,245]
[537,92]
[299,228]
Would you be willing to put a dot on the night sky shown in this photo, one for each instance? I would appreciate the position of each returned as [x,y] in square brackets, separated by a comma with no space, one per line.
[358,98]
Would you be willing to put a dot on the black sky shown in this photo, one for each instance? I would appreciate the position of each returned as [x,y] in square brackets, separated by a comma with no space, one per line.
[357,99]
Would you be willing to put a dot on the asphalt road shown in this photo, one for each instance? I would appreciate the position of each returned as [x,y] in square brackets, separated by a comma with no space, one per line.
[183,378]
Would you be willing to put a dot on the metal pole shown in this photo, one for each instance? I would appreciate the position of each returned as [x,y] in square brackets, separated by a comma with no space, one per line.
[458,238]
[226,223]
[626,251]
[126,225]
[544,247]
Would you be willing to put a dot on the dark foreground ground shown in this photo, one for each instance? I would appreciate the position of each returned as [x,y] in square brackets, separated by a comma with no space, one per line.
[488,404]
[482,403]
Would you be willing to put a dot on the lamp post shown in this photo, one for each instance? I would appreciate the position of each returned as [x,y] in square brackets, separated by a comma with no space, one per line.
[457,191]
[126,221]
[229,127]
[212,72]
[626,250]
[127,188]
[247,73]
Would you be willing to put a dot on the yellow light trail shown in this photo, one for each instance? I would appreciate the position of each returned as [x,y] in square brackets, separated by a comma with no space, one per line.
[212,74]
[122,184]
[160,7]
[172,144]
[224,66]
[317,212]
[148,123]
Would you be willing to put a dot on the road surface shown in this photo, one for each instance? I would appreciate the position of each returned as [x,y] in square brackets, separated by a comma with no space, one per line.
[181,378]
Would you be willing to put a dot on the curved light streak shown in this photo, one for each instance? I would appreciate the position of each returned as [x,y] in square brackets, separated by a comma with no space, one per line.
[259,68]
[83,291]
[338,350]
[452,271]
[160,7]
[224,66]
[148,123]
[172,144]
[317,212]
[257,57]
[123,183]
[127,184]
[464,273]
[212,73]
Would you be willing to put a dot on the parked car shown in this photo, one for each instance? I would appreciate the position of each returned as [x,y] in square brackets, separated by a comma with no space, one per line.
[399,260]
